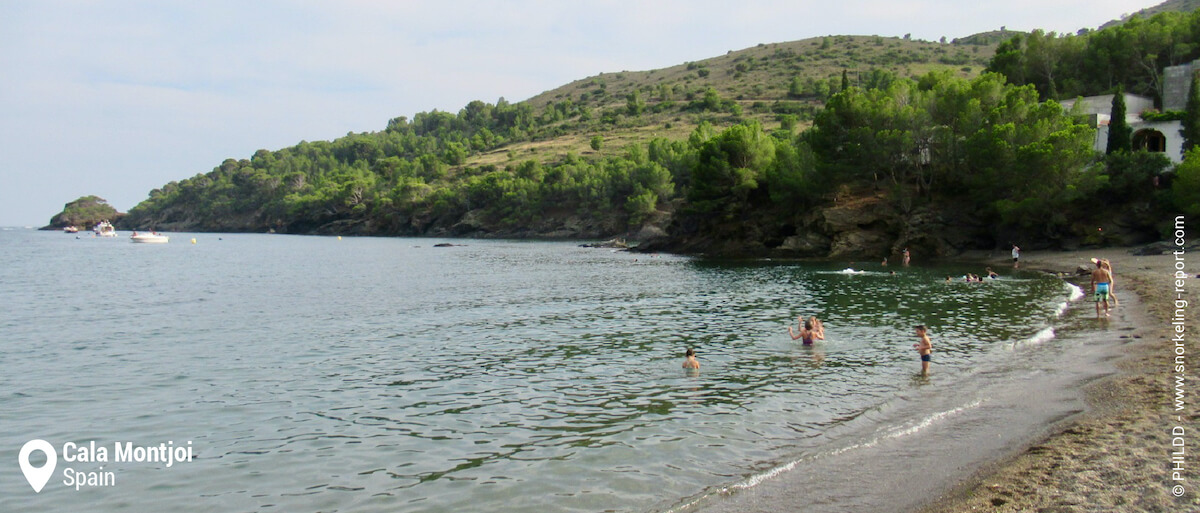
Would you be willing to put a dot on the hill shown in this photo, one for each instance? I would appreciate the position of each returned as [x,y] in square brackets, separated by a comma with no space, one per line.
[84,213]
[831,146]
[429,175]
[1168,6]
[763,83]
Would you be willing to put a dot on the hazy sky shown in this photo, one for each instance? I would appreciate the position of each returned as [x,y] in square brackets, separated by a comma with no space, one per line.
[115,97]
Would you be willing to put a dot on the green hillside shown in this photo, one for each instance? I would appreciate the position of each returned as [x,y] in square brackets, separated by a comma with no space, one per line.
[422,176]
[1168,6]
[831,146]
[763,83]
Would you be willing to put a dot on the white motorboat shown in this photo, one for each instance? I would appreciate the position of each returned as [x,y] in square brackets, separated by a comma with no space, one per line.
[149,238]
[104,229]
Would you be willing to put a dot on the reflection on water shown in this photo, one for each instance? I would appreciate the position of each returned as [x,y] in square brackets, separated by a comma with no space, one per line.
[360,374]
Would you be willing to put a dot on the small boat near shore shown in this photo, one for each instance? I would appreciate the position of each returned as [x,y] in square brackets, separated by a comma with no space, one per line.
[149,238]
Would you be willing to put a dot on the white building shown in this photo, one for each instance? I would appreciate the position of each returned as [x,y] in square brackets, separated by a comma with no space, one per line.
[1157,136]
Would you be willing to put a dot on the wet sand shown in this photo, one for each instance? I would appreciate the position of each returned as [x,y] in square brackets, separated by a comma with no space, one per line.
[1115,456]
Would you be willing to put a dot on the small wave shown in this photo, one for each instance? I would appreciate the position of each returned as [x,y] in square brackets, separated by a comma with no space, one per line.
[850,270]
[1044,335]
[1061,309]
[930,420]
[896,432]
[1076,292]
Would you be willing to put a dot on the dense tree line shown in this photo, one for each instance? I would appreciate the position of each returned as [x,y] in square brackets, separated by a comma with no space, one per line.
[1132,55]
[1014,160]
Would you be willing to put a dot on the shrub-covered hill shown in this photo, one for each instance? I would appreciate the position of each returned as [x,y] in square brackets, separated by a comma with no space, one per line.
[565,163]
[833,146]
[84,213]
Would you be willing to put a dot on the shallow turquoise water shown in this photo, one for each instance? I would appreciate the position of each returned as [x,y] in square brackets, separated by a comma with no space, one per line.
[377,374]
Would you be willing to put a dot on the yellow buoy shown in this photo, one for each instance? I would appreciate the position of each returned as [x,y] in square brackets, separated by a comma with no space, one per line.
[339,237]
[193,240]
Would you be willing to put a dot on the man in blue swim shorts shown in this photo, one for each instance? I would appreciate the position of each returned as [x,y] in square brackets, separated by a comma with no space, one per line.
[1101,279]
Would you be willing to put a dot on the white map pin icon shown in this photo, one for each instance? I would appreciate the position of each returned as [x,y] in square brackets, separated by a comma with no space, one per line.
[37,477]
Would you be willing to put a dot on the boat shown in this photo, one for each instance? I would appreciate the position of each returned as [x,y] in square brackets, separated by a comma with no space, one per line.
[104,229]
[70,229]
[149,238]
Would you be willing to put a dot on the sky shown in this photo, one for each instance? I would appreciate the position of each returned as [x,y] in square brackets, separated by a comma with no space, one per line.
[118,97]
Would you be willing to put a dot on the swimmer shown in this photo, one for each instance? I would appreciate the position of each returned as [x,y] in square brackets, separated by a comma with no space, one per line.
[817,327]
[992,274]
[810,333]
[924,347]
[690,361]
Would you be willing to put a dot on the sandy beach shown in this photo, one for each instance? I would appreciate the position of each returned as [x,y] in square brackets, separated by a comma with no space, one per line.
[1116,456]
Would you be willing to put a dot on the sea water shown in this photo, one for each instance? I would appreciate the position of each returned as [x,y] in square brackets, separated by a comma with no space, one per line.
[310,374]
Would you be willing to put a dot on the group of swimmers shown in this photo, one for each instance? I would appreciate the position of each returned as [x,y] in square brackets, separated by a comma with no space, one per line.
[975,278]
[811,330]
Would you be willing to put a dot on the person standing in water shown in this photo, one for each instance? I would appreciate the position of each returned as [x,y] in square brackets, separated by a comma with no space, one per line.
[1112,281]
[690,362]
[810,332]
[1101,279]
[817,328]
[907,257]
[924,347]
[1016,255]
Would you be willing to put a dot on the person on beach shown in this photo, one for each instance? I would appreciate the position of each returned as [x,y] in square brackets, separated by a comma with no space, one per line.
[690,362]
[1112,279]
[924,347]
[1101,279]
[1016,255]
[811,331]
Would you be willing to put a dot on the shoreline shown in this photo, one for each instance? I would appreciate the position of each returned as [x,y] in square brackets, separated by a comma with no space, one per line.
[934,435]
[1115,455]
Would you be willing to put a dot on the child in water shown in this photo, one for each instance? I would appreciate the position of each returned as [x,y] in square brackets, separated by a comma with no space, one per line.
[690,362]
[811,331]
[924,347]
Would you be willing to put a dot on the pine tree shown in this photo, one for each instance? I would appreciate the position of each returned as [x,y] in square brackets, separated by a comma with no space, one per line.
[845,81]
[1120,136]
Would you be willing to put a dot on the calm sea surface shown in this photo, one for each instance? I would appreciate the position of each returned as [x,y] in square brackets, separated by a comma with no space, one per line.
[385,374]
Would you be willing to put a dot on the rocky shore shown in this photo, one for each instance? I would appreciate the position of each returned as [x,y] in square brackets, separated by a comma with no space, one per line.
[1117,455]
